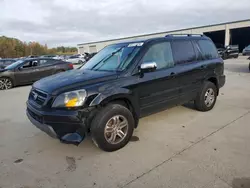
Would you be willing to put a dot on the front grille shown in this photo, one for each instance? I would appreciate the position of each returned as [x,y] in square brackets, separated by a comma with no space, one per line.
[38,96]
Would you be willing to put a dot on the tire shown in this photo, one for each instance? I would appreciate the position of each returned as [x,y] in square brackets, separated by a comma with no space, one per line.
[6,83]
[59,71]
[207,89]
[80,62]
[104,126]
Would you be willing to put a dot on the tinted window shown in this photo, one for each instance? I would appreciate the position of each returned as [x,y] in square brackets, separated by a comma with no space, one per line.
[161,54]
[74,56]
[208,49]
[183,52]
[44,62]
[30,64]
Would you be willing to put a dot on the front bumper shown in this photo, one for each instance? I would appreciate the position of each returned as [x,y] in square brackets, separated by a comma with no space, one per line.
[56,123]
[246,53]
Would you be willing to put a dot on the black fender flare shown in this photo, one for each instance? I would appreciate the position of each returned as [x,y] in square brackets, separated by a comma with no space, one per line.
[121,94]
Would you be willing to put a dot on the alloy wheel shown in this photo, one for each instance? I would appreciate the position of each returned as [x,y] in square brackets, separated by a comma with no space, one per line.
[5,83]
[116,129]
[209,97]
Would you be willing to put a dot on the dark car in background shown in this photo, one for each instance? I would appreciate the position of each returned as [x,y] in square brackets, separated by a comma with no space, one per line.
[124,82]
[6,62]
[26,71]
[246,51]
[48,56]
[230,51]
[88,56]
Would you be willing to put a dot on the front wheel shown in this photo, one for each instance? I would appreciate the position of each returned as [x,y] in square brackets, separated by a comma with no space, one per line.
[206,98]
[112,127]
[5,83]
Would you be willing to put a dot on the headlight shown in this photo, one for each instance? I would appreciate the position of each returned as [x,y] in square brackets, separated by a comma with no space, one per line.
[70,99]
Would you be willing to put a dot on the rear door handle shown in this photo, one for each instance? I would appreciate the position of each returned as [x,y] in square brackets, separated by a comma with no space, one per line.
[172,75]
[203,66]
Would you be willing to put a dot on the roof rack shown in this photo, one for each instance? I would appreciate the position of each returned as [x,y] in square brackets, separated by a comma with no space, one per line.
[184,35]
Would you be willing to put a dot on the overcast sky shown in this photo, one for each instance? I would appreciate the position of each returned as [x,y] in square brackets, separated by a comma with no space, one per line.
[69,22]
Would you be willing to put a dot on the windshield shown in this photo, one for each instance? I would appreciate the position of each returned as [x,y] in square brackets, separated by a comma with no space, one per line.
[14,65]
[113,58]
[248,47]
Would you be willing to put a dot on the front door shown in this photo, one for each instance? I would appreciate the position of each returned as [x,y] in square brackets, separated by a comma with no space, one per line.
[27,73]
[159,89]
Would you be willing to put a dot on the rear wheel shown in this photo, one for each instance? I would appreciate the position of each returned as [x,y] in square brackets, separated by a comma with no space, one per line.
[80,62]
[112,127]
[59,71]
[206,98]
[5,83]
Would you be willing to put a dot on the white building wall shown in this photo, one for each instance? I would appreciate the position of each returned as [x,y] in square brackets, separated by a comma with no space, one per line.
[199,30]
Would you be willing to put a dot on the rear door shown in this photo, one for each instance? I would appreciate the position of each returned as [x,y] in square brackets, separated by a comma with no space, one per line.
[46,67]
[189,68]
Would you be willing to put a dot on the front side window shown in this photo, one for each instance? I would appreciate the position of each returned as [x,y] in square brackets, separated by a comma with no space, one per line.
[30,64]
[113,58]
[15,64]
[208,49]
[161,54]
[183,52]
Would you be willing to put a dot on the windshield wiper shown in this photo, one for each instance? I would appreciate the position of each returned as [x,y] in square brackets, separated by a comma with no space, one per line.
[122,64]
[105,59]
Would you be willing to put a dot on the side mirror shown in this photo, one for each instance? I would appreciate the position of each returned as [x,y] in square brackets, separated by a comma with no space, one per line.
[147,67]
[19,68]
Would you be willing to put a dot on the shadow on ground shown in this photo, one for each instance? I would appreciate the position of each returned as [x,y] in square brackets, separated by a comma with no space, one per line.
[190,105]
[241,183]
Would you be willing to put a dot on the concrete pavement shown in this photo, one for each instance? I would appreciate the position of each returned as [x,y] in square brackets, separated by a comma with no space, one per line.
[179,147]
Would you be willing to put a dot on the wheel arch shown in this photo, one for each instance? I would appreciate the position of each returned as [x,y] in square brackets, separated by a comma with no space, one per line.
[12,80]
[214,80]
[122,99]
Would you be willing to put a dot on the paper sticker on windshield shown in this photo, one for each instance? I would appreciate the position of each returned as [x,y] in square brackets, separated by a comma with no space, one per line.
[135,44]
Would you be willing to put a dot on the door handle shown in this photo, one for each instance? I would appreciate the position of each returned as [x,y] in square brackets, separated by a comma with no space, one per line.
[203,66]
[172,75]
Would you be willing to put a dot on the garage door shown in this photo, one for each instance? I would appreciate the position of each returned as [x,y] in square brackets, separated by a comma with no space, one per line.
[92,49]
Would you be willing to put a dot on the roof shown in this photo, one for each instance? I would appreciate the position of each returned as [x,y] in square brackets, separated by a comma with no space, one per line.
[150,34]
[181,36]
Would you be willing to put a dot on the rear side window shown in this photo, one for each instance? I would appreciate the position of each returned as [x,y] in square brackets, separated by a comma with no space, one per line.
[161,54]
[208,49]
[183,52]
[44,62]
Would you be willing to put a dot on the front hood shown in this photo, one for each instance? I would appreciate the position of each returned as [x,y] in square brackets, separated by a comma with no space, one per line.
[73,79]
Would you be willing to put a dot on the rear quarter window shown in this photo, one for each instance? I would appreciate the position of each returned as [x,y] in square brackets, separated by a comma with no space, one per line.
[208,49]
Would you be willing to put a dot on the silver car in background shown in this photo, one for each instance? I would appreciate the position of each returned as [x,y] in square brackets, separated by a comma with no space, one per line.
[77,59]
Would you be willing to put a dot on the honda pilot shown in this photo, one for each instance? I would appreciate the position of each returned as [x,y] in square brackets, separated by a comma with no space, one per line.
[107,96]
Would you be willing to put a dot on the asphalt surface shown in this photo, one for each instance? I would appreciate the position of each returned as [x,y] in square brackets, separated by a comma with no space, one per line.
[179,147]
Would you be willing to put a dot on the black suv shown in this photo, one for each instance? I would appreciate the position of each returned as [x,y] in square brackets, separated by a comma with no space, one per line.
[124,82]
